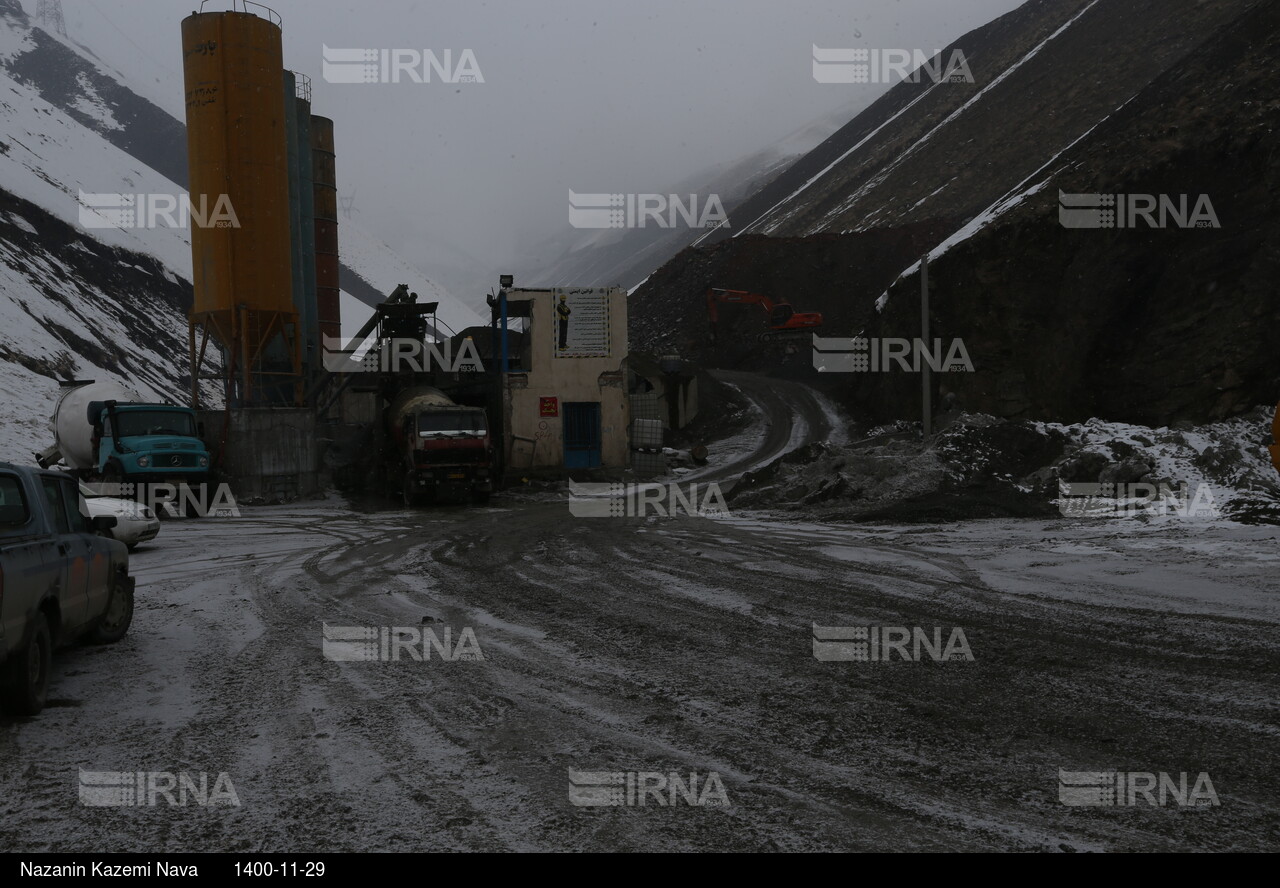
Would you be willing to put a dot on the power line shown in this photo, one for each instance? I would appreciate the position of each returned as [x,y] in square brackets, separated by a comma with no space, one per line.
[117,29]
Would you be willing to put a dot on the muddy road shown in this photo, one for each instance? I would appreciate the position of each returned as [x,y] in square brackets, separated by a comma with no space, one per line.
[676,645]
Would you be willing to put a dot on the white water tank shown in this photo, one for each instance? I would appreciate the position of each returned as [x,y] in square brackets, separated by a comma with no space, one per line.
[72,431]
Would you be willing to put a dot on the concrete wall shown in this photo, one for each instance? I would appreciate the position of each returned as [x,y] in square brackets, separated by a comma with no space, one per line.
[270,454]
[674,400]
[536,441]
[359,408]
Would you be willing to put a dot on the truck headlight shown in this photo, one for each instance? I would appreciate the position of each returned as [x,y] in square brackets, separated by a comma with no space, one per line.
[144,461]
[204,462]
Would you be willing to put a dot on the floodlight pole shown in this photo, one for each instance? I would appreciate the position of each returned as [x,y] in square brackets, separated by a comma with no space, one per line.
[926,372]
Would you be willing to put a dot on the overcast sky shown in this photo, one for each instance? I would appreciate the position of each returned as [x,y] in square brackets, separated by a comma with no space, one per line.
[597,96]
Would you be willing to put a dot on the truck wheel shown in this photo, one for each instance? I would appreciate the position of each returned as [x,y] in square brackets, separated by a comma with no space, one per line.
[27,681]
[192,502]
[114,474]
[114,623]
[480,497]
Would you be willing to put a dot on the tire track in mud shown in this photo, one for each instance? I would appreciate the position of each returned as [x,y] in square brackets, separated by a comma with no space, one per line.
[1067,662]
[354,721]
[684,645]
[678,645]
[792,417]
[694,745]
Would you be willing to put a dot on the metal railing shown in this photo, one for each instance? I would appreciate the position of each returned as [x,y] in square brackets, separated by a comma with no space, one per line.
[271,15]
[302,86]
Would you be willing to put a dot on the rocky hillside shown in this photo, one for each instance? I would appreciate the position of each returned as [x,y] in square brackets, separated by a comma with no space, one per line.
[1140,324]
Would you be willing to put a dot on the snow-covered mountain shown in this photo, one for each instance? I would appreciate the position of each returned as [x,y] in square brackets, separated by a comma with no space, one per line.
[107,303]
[1163,99]
[625,257]
[80,299]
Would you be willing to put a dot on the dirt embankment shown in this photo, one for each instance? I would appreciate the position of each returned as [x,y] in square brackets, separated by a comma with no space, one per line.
[979,466]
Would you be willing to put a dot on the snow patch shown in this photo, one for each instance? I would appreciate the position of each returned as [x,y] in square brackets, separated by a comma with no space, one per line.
[22,223]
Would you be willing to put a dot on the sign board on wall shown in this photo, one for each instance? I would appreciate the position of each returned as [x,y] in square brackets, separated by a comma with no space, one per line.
[548,406]
[580,321]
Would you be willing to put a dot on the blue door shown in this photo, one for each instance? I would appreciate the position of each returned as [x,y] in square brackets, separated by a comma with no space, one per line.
[582,436]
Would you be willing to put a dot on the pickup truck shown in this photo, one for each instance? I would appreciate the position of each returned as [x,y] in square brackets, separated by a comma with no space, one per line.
[60,580]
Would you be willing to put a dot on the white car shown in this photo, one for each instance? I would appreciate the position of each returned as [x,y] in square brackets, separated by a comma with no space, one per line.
[135,523]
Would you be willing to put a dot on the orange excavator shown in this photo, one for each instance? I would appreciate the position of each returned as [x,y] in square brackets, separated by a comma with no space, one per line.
[783,321]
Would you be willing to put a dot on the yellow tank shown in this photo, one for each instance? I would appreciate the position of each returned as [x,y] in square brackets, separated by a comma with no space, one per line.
[236,144]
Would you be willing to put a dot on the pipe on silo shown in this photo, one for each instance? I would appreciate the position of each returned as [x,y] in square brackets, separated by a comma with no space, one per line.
[311,333]
[297,88]
[324,174]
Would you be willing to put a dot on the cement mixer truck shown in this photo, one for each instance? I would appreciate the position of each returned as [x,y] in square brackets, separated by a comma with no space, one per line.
[436,451]
[105,433]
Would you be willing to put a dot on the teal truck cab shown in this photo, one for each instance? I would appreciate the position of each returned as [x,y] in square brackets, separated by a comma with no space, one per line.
[148,443]
[108,434]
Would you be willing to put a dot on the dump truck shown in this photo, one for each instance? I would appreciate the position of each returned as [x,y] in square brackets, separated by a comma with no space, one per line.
[436,451]
[107,434]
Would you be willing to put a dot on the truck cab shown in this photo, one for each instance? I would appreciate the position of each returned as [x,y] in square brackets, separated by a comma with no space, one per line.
[147,444]
[60,580]
[448,454]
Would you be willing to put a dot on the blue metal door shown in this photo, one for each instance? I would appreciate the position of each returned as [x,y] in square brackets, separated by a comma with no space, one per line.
[582,436]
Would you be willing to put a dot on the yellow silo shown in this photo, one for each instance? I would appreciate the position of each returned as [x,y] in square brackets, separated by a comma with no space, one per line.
[237,148]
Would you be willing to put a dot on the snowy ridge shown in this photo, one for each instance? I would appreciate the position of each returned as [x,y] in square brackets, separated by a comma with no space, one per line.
[49,159]
[954,115]
[79,309]
[58,320]
[884,174]
[383,269]
[764,219]
[993,212]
